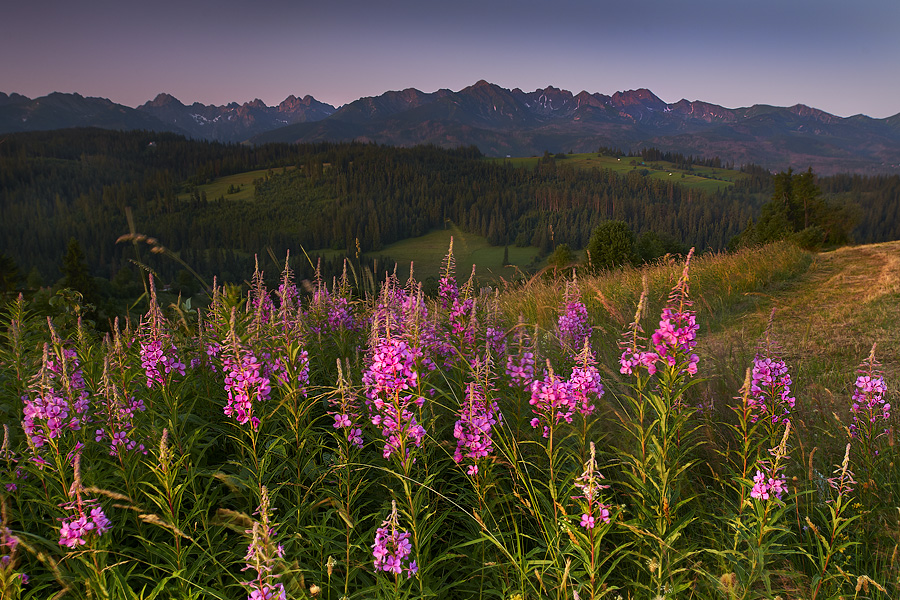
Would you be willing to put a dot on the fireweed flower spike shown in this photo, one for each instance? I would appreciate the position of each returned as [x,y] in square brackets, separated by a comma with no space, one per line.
[870,410]
[520,367]
[57,401]
[245,383]
[474,428]
[345,411]
[573,324]
[392,548]
[588,482]
[159,356]
[770,386]
[391,381]
[552,402]
[87,519]
[769,481]
[584,382]
[117,412]
[675,338]
[634,355]
[261,555]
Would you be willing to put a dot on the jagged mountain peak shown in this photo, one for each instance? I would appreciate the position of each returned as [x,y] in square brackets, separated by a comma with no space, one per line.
[163,98]
[502,121]
[640,96]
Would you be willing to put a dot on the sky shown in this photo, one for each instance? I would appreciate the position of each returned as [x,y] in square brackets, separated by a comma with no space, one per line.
[842,57]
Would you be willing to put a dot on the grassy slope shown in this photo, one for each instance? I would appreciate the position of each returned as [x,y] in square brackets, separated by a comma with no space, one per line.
[825,322]
[427,254]
[219,186]
[703,178]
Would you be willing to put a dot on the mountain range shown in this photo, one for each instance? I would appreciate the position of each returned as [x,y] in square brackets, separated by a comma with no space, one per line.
[503,122]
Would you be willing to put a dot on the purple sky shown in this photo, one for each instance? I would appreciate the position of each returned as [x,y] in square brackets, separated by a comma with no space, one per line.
[839,56]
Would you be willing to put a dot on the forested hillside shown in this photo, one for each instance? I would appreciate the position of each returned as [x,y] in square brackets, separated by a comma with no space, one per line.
[55,186]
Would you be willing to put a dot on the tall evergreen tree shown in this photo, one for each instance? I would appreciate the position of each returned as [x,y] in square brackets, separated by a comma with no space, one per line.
[611,245]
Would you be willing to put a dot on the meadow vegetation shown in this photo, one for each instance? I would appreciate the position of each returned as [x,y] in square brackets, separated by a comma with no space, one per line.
[702,178]
[712,426]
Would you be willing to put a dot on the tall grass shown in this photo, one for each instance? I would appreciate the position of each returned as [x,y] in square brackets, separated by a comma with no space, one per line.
[540,441]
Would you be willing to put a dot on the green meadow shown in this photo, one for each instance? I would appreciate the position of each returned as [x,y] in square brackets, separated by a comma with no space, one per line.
[243,181]
[703,178]
[427,253]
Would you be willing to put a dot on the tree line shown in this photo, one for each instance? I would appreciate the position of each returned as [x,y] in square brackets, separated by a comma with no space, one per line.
[355,197]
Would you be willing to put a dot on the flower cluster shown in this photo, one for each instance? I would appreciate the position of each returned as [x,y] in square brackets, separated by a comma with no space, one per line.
[154,358]
[448,291]
[57,400]
[67,371]
[46,417]
[260,557]
[390,383]
[159,357]
[260,301]
[474,428]
[769,481]
[632,359]
[552,402]
[574,325]
[117,411]
[768,484]
[245,385]
[584,382]
[770,390]
[119,418]
[634,353]
[460,306]
[392,548]
[89,521]
[520,367]
[331,313]
[555,400]
[495,338]
[675,338]
[345,411]
[589,484]
[294,374]
[869,405]
[672,342]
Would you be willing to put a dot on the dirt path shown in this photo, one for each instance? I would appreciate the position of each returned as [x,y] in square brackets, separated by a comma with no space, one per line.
[825,322]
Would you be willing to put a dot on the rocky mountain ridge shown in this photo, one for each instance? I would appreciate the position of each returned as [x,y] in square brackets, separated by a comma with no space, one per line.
[503,122]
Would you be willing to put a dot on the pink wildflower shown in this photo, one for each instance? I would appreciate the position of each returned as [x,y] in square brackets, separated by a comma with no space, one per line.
[392,547]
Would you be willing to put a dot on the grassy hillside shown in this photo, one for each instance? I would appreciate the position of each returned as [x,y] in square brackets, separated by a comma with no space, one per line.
[427,254]
[702,178]
[218,188]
